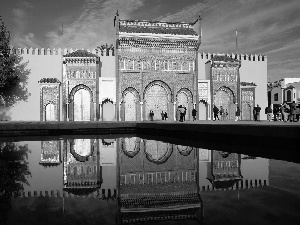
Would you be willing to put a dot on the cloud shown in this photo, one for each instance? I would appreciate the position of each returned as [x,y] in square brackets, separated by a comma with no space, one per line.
[20,18]
[94,26]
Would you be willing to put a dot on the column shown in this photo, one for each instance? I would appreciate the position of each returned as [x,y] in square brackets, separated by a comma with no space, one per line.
[174,108]
[141,105]
[95,111]
[100,112]
[115,111]
[120,111]
[67,105]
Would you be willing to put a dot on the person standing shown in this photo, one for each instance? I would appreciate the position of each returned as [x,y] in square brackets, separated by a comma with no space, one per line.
[194,113]
[275,113]
[166,116]
[269,113]
[184,113]
[226,114]
[254,113]
[216,112]
[237,113]
[181,111]
[151,115]
[285,111]
[258,112]
[222,114]
[293,112]
[162,115]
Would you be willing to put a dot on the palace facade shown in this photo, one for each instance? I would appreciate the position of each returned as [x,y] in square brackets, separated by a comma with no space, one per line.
[154,66]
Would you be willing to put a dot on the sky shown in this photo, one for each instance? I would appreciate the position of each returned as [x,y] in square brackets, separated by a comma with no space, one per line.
[268,27]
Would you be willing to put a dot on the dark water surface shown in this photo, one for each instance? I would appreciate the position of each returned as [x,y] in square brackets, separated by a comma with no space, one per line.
[139,181]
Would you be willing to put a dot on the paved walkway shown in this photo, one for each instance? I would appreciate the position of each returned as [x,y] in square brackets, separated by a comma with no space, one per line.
[277,140]
[253,128]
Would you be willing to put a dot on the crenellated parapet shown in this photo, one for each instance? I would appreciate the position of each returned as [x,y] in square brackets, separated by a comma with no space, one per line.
[242,184]
[110,52]
[102,194]
[60,51]
[240,57]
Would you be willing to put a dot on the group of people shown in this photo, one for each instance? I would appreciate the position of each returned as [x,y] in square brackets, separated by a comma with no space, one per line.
[223,113]
[181,112]
[164,115]
[284,112]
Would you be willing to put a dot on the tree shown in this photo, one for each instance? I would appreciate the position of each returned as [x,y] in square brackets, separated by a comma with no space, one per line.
[13,73]
[14,170]
[8,75]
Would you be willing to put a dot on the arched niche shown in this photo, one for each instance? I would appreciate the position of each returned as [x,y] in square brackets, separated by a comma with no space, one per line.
[157,97]
[81,98]
[131,99]
[50,112]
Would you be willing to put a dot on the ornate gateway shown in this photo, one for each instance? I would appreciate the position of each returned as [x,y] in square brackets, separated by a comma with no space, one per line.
[247,100]
[156,62]
[225,83]
[80,83]
[49,99]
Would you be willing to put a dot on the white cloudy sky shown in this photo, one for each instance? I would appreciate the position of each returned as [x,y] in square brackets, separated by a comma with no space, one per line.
[270,27]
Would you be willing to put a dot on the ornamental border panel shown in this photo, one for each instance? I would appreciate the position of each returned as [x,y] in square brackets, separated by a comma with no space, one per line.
[49,94]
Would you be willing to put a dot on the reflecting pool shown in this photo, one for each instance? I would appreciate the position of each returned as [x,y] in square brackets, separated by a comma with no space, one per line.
[130,180]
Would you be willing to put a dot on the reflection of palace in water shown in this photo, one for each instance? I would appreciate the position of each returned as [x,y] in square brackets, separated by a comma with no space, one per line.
[158,181]
[82,171]
[149,180]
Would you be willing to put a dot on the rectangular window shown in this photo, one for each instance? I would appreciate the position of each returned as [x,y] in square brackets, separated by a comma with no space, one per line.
[276,97]
[166,67]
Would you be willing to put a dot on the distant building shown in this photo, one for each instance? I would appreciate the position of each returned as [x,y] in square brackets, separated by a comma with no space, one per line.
[286,89]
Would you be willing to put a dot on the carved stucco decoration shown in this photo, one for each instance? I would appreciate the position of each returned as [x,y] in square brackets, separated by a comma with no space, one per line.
[49,100]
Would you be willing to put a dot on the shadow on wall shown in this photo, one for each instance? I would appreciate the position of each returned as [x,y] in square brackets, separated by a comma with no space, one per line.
[12,94]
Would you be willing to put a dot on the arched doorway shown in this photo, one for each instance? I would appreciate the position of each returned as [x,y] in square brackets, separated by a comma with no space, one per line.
[130,106]
[246,111]
[50,112]
[108,111]
[184,99]
[224,97]
[82,105]
[202,110]
[157,97]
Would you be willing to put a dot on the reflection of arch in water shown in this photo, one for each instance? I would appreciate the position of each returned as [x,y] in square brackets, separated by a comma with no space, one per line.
[130,146]
[184,150]
[157,151]
[81,149]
